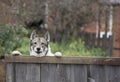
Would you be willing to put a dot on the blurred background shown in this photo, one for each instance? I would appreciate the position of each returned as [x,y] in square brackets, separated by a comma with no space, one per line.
[77,27]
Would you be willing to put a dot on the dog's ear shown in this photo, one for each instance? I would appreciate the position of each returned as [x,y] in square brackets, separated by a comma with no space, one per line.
[47,36]
[33,35]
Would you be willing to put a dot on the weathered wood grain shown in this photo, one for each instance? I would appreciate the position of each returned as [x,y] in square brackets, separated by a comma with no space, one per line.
[10,73]
[105,73]
[20,72]
[33,73]
[2,71]
[79,73]
[112,73]
[97,73]
[27,73]
[55,73]
[63,60]
[63,73]
[63,69]
[48,72]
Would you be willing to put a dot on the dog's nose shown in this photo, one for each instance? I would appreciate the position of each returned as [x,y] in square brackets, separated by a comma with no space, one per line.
[38,49]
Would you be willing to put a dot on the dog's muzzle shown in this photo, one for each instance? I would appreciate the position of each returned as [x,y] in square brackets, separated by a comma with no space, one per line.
[38,50]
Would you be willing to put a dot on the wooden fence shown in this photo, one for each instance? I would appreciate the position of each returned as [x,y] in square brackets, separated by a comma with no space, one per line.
[63,69]
[106,44]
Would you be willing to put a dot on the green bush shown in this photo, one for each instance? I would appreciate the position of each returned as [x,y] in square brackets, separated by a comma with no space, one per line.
[11,37]
[25,45]
[77,48]
[17,38]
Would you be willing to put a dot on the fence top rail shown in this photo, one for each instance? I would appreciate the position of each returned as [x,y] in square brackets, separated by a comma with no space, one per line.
[62,60]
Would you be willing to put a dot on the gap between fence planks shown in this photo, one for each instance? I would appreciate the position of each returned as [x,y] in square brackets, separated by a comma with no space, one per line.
[63,60]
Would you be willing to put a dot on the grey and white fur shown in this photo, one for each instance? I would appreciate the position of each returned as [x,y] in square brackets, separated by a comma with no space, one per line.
[39,46]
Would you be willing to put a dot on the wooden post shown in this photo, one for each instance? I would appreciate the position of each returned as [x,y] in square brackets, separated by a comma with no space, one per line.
[2,71]
[106,28]
[110,30]
[99,26]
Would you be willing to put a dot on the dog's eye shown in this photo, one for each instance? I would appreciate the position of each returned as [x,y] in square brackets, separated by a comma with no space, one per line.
[35,42]
[42,43]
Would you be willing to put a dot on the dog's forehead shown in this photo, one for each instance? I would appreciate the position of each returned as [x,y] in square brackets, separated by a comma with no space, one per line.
[39,39]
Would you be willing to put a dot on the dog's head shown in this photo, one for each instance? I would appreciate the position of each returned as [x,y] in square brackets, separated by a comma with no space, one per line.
[39,46]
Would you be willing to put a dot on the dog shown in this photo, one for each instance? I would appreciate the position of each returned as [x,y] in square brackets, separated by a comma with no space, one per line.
[39,46]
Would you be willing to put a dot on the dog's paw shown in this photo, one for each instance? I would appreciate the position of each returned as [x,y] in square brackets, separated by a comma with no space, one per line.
[58,54]
[16,53]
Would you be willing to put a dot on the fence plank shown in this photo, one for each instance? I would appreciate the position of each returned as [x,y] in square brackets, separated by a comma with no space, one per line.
[48,72]
[111,46]
[104,42]
[79,71]
[105,73]
[33,73]
[97,73]
[20,72]
[112,73]
[55,73]
[27,73]
[10,72]
[63,73]
[2,71]
[68,72]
